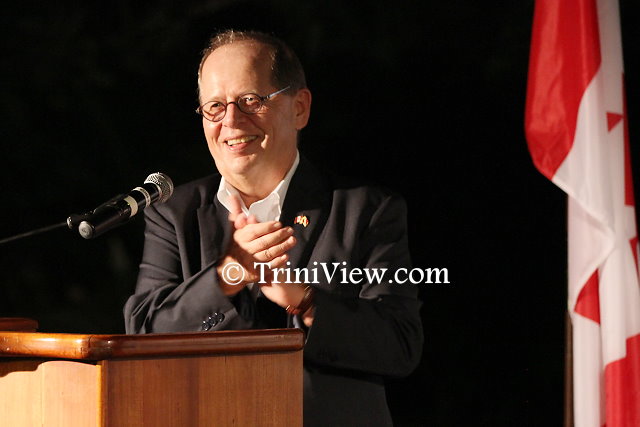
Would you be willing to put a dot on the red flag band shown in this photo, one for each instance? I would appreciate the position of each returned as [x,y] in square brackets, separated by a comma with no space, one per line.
[576,128]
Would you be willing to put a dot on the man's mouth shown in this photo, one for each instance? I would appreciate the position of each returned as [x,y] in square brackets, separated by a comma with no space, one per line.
[240,140]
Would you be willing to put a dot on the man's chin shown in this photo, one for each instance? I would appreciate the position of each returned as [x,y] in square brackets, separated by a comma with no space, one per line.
[240,166]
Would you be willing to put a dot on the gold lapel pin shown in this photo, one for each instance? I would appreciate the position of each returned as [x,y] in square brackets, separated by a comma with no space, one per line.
[302,220]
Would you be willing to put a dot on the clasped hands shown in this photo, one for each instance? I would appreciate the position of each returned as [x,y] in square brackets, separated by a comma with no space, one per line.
[260,242]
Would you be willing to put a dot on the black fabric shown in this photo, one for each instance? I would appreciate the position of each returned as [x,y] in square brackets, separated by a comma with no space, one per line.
[269,315]
[244,304]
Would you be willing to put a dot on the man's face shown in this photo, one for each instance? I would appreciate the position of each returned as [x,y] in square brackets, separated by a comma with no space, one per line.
[250,149]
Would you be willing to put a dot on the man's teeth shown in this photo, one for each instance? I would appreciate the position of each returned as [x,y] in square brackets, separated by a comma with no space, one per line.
[243,139]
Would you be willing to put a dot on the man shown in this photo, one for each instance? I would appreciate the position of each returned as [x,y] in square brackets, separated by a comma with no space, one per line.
[270,205]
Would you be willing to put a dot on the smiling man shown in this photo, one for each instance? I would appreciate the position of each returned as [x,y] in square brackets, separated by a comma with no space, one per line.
[268,204]
[252,151]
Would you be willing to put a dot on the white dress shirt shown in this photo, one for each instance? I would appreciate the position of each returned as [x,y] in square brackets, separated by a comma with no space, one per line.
[267,209]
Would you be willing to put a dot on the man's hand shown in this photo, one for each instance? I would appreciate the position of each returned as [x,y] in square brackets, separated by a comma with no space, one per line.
[288,294]
[262,242]
[252,242]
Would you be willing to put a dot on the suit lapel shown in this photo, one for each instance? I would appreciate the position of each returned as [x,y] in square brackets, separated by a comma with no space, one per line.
[308,197]
[215,231]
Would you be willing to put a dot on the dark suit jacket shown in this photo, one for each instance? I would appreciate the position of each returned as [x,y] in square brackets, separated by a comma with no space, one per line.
[362,332]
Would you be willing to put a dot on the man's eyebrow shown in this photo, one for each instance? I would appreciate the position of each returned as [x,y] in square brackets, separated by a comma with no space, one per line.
[223,99]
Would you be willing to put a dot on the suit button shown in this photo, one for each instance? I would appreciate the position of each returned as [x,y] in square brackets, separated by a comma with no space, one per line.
[209,323]
[212,321]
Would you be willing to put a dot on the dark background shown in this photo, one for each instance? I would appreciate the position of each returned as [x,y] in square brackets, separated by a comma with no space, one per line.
[427,97]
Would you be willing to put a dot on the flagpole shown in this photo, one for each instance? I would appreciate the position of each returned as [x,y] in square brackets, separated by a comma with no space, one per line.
[568,372]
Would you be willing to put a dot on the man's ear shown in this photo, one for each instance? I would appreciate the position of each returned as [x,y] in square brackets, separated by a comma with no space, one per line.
[302,106]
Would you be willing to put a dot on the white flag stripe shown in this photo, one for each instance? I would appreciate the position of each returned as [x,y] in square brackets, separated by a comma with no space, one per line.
[588,376]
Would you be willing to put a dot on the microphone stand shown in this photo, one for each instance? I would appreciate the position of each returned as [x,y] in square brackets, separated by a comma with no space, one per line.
[118,210]
[71,223]
[34,232]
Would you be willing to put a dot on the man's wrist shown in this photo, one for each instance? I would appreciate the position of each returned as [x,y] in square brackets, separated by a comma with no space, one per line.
[227,288]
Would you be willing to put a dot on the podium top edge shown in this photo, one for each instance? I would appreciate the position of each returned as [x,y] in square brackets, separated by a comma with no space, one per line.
[119,346]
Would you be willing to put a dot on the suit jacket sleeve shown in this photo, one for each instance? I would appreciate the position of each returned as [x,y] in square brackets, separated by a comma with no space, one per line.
[371,327]
[177,288]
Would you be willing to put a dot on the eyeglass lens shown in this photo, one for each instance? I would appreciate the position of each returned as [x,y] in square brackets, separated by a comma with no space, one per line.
[249,104]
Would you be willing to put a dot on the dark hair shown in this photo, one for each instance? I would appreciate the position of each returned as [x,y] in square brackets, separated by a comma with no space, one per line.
[286,69]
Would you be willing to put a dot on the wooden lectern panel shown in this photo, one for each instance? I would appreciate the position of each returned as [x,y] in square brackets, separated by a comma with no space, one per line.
[194,379]
[245,390]
[48,393]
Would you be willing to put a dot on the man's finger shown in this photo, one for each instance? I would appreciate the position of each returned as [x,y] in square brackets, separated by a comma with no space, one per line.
[251,232]
[278,262]
[240,221]
[267,240]
[275,250]
[235,207]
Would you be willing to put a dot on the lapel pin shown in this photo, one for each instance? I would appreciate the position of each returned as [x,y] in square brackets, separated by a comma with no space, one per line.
[302,220]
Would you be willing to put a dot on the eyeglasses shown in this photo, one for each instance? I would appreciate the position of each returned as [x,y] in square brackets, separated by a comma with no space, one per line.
[249,103]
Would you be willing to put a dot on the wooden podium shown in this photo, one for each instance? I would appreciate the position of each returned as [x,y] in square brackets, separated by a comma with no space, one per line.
[228,378]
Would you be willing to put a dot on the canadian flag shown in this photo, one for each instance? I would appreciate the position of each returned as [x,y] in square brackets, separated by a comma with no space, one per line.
[576,128]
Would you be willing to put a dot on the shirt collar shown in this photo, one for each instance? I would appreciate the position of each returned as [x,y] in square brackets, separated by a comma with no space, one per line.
[267,209]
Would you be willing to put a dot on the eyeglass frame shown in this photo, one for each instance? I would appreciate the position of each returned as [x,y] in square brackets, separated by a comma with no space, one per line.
[263,100]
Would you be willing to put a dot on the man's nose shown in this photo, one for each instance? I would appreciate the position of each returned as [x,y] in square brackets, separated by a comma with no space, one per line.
[233,115]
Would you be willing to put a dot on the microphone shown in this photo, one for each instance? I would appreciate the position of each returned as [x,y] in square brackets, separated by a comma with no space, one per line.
[158,187]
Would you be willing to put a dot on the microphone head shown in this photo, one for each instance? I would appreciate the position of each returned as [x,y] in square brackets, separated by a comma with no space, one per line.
[164,184]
